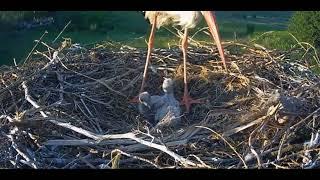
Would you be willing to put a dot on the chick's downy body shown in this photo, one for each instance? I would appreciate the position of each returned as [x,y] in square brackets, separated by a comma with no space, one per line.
[161,110]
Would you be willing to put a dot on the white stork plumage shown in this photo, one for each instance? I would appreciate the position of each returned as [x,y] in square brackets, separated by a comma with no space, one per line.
[187,20]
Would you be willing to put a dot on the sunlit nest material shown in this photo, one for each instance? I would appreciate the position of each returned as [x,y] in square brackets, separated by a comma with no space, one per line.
[71,109]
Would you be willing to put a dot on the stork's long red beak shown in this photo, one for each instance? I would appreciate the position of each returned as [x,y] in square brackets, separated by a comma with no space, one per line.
[211,21]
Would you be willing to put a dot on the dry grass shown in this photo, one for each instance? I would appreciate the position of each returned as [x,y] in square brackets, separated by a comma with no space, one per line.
[73,111]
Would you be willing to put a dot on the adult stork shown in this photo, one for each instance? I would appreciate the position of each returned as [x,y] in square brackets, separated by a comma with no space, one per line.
[187,20]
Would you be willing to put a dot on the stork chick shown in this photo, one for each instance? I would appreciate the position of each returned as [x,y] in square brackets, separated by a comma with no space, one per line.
[161,110]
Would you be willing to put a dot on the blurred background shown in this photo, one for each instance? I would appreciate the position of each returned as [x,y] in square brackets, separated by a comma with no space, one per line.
[19,29]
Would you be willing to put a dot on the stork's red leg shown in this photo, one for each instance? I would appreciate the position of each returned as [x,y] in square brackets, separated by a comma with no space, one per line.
[150,47]
[186,100]
[213,27]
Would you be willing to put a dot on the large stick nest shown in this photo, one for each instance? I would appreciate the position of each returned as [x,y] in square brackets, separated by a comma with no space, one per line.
[73,111]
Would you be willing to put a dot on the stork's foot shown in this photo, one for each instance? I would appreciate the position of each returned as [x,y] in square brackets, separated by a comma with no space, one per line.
[188,101]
